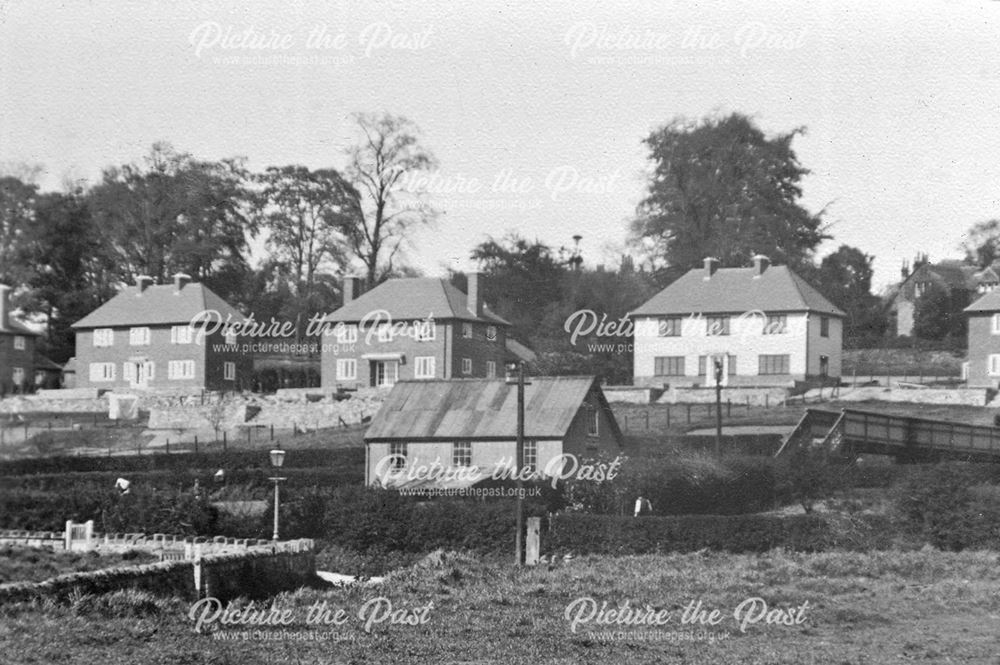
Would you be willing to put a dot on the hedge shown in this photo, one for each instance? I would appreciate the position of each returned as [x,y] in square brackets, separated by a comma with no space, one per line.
[607,534]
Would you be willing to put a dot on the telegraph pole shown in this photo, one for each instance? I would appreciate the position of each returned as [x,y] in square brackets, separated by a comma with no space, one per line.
[519,466]
[718,407]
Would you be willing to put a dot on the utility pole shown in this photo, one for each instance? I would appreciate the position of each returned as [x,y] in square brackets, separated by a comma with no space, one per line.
[519,465]
[718,407]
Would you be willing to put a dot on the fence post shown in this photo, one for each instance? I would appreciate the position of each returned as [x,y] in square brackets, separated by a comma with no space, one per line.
[668,415]
[767,400]
[729,408]
[647,419]
[531,545]
[224,437]
[689,414]
[272,431]
[248,437]
[196,442]
[68,537]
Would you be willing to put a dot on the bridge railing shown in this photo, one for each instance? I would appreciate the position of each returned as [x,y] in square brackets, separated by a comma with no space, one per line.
[903,431]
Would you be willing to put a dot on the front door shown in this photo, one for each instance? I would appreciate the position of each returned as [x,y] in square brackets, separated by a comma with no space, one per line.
[384,373]
[824,366]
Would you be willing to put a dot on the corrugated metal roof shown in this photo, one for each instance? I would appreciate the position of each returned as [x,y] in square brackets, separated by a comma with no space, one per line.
[737,290]
[157,305]
[413,298]
[469,409]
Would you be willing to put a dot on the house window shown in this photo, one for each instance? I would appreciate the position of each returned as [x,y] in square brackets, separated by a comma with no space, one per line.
[824,326]
[19,342]
[668,366]
[491,333]
[702,364]
[994,364]
[423,367]
[102,372]
[229,371]
[491,369]
[104,337]
[732,366]
[996,324]
[384,332]
[461,453]
[347,369]
[467,330]
[593,421]
[181,334]
[776,324]
[398,452]
[138,336]
[669,326]
[530,455]
[18,376]
[773,364]
[347,334]
[384,373]
[424,331]
[230,338]
[466,365]
[717,325]
[180,369]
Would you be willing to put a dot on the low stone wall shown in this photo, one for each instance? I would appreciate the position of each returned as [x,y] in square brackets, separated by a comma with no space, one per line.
[962,396]
[753,396]
[68,393]
[253,573]
[189,416]
[53,540]
[631,394]
[37,404]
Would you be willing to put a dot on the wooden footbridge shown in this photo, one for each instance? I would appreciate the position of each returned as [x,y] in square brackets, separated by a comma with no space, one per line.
[852,432]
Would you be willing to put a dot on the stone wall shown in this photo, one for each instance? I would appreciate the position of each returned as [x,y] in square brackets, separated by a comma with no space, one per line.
[753,396]
[963,396]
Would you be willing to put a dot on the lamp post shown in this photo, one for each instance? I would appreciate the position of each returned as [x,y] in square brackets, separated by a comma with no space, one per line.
[519,459]
[277,459]
[718,407]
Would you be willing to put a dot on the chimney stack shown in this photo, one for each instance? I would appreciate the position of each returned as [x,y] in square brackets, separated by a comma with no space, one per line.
[180,281]
[350,290]
[711,265]
[143,282]
[760,264]
[4,307]
[474,295]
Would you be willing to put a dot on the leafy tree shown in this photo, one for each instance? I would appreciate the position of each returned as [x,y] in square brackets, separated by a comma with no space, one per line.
[305,212]
[17,213]
[177,214]
[385,166]
[982,243]
[933,316]
[845,277]
[721,188]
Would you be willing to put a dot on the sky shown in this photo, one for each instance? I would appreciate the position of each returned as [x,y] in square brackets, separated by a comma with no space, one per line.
[535,113]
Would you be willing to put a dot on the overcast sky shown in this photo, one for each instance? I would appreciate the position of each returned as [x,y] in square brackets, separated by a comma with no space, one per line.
[536,113]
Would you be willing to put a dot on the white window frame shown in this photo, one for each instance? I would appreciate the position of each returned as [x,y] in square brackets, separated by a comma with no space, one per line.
[466,330]
[466,365]
[17,375]
[228,371]
[385,332]
[491,333]
[347,334]
[181,334]
[19,343]
[461,453]
[180,370]
[993,364]
[491,369]
[995,329]
[100,372]
[397,450]
[347,369]
[776,324]
[104,337]
[424,367]
[669,326]
[138,336]
[593,421]
[530,457]
[230,338]
[424,331]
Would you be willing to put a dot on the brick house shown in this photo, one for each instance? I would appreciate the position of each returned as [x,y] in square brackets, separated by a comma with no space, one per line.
[983,364]
[142,339]
[962,282]
[411,329]
[461,424]
[17,349]
[764,323]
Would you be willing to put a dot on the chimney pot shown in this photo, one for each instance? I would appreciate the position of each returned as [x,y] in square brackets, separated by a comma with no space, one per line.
[4,306]
[760,264]
[143,282]
[350,291]
[711,265]
[474,297]
[180,281]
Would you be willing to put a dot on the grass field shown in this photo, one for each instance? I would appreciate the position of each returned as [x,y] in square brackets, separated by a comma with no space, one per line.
[887,607]
[24,564]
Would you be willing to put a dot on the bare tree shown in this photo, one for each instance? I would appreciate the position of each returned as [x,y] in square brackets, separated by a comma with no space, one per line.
[385,165]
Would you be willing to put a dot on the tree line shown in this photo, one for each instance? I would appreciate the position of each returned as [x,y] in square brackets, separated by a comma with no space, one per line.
[718,186]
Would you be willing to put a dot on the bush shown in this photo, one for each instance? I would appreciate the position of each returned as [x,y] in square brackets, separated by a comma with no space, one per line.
[606,534]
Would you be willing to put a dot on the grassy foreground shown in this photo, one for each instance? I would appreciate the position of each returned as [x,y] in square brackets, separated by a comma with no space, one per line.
[29,564]
[883,607]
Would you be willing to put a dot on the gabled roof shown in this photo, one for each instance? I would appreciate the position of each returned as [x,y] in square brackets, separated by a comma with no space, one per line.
[411,299]
[157,305]
[990,302]
[738,290]
[471,409]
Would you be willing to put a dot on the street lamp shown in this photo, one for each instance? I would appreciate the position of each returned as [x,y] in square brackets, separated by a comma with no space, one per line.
[519,459]
[277,459]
